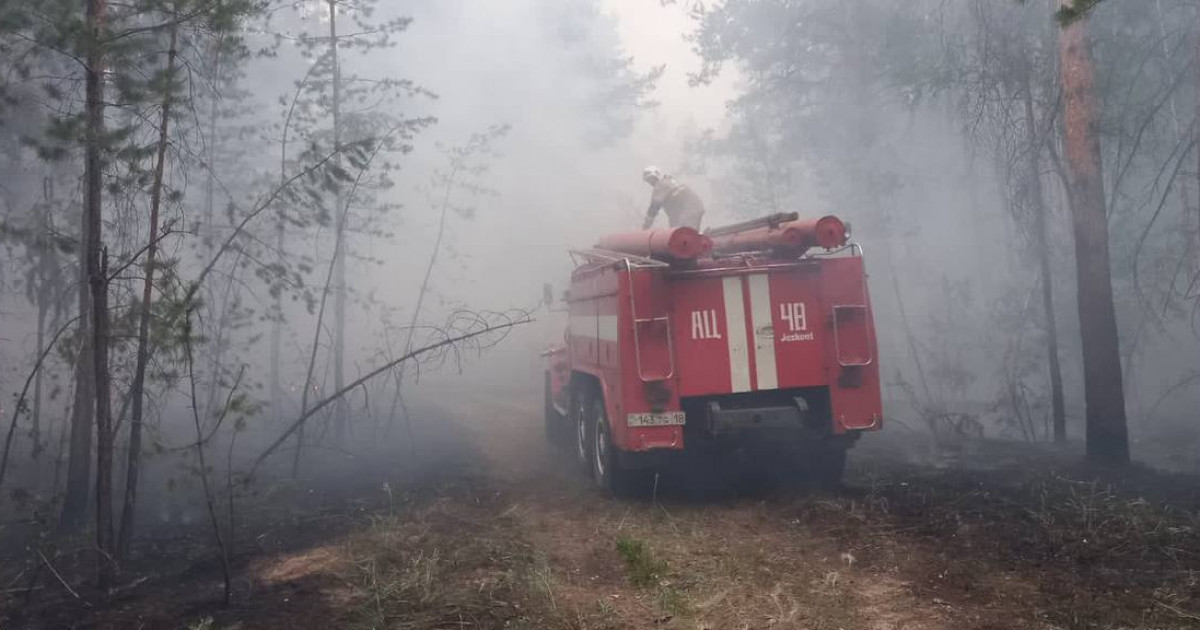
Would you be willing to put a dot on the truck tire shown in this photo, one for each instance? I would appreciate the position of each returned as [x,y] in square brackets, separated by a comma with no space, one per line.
[606,466]
[580,425]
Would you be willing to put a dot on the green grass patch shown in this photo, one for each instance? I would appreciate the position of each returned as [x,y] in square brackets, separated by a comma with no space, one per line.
[644,569]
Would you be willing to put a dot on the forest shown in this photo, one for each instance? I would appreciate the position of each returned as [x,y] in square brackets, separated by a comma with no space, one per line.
[271,308]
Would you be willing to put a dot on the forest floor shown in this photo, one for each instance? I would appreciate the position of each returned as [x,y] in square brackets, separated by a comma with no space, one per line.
[485,526]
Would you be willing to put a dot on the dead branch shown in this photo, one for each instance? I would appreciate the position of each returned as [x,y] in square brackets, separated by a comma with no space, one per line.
[60,579]
[250,216]
[1137,252]
[1182,614]
[12,427]
[208,497]
[1183,382]
[166,231]
[338,246]
[444,343]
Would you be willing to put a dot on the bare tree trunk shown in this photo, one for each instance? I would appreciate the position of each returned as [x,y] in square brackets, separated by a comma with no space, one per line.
[43,308]
[79,458]
[1107,433]
[1196,259]
[339,296]
[1038,194]
[277,333]
[209,501]
[137,389]
[104,433]
[213,113]
[421,293]
[75,503]
[280,232]
[97,264]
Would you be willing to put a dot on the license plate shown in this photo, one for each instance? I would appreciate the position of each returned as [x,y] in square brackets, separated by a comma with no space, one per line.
[668,419]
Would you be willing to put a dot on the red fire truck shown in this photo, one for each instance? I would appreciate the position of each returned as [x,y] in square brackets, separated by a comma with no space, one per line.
[753,337]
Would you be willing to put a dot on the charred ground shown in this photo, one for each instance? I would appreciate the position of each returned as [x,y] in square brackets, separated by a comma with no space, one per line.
[484,526]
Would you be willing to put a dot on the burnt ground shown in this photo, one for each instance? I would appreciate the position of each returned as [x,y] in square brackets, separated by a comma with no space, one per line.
[484,526]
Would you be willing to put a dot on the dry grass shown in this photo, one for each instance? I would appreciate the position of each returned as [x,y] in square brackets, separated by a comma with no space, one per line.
[1065,546]
[449,563]
[644,569]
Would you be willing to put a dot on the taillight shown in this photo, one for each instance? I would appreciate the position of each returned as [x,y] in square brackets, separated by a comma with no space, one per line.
[831,232]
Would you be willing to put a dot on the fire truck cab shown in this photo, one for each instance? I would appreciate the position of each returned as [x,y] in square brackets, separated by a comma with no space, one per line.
[755,337]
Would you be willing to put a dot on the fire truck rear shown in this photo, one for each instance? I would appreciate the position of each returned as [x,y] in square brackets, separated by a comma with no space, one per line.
[753,338]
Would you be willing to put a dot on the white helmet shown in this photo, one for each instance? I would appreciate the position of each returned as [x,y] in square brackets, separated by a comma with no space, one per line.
[652,175]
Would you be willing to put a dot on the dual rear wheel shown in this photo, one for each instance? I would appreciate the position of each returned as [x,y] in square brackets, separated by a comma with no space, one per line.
[594,450]
[587,431]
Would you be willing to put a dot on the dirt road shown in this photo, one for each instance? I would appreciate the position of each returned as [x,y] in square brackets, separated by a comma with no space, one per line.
[730,563]
[484,526]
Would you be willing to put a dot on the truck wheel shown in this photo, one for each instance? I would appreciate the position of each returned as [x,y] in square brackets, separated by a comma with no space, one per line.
[606,469]
[579,421]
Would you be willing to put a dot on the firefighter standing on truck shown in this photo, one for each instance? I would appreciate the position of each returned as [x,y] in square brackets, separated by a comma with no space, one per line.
[683,205]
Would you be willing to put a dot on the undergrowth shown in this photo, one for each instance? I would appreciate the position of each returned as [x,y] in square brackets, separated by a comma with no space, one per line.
[649,573]
[644,569]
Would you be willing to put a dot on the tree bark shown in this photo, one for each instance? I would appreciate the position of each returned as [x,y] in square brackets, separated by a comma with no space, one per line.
[104,434]
[1042,234]
[43,308]
[137,388]
[75,503]
[97,264]
[79,452]
[339,296]
[276,340]
[1107,433]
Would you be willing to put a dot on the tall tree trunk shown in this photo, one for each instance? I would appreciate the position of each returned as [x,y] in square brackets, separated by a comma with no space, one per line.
[209,501]
[277,394]
[213,113]
[1042,231]
[138,387]
[43,309]
[75,503]
[104,432]
[97,264]
[339,296]
[79,452]
[1107,433]
[277,333]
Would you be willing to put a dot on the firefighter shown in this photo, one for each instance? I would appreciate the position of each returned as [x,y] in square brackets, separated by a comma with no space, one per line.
[683,205]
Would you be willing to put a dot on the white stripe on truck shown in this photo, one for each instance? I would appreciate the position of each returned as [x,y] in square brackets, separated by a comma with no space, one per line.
[735,329]
[606,325]
[764,331]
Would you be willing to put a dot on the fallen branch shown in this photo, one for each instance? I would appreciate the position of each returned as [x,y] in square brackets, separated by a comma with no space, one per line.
[1182,614]
[61,580]
[299,422]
